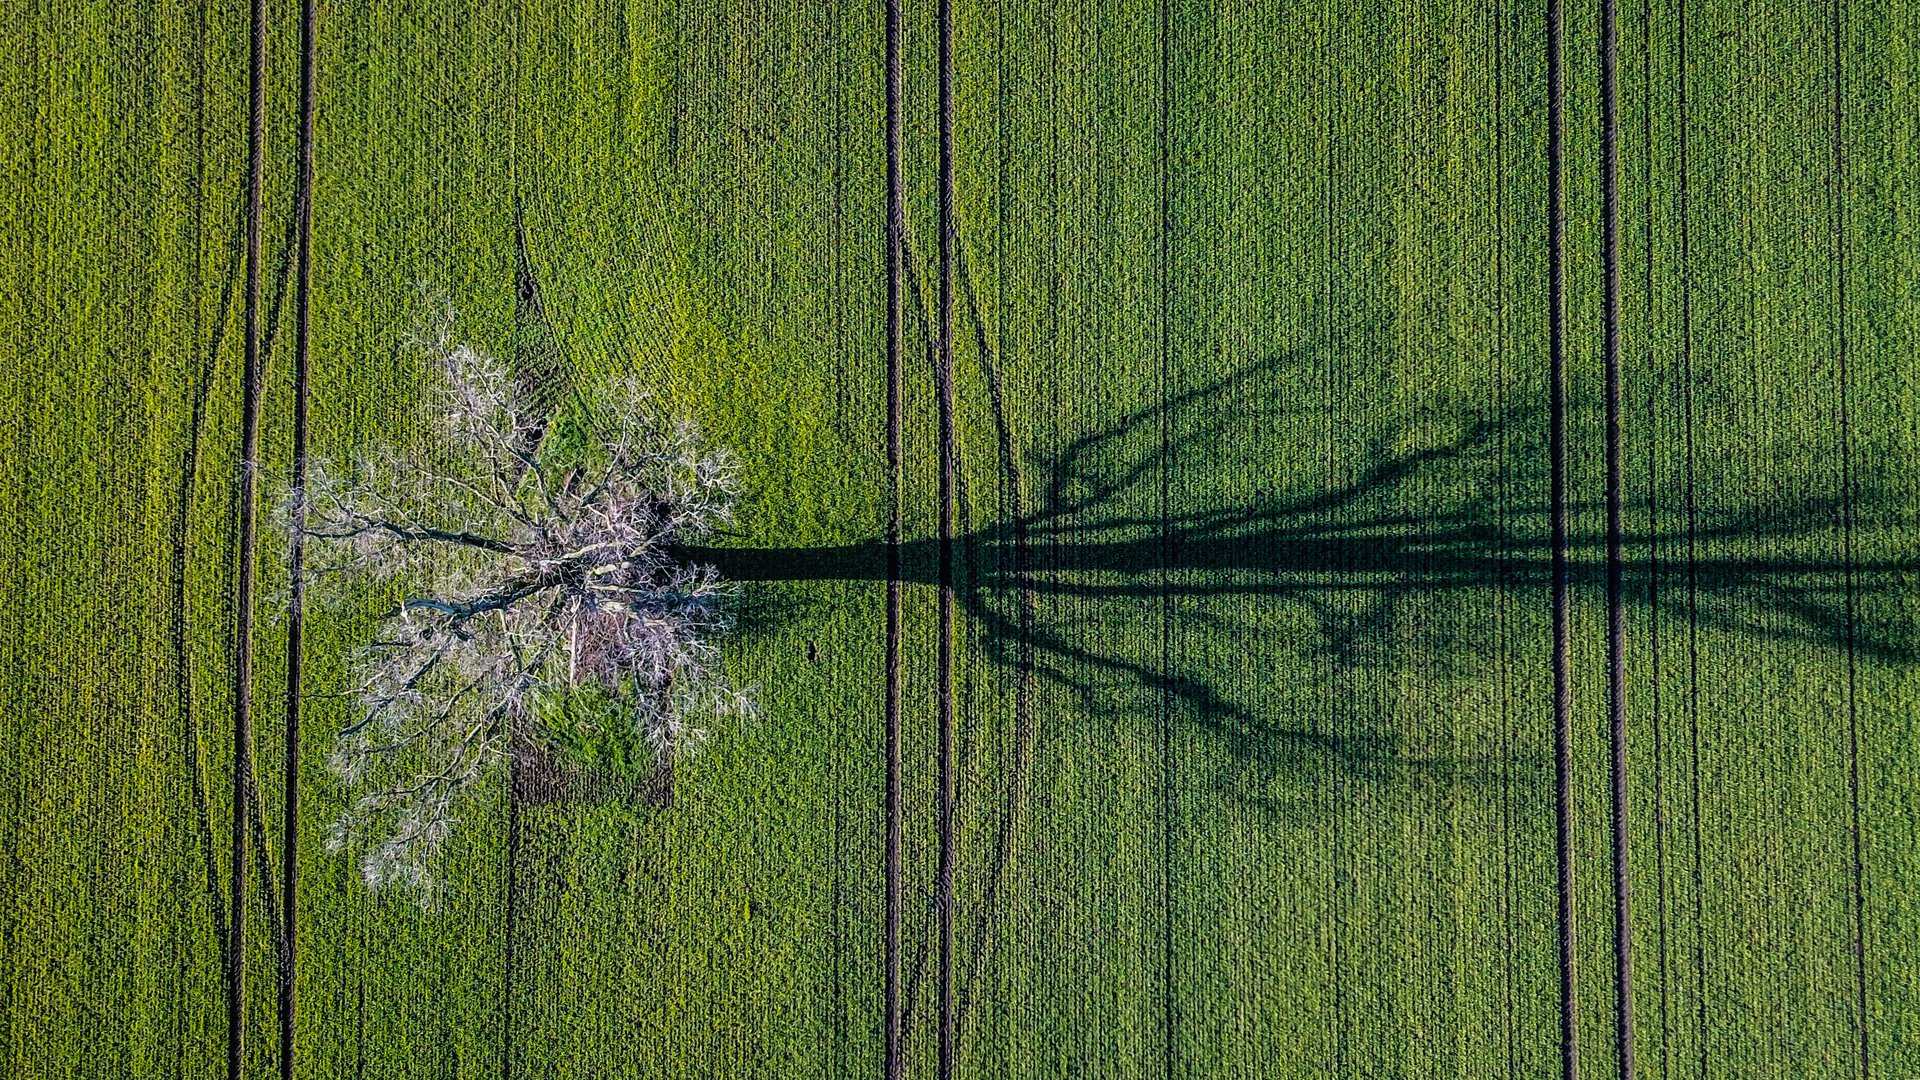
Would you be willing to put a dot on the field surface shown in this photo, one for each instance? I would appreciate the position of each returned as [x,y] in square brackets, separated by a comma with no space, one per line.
[1253,725]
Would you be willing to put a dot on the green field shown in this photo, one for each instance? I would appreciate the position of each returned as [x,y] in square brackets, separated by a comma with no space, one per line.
[1254,737]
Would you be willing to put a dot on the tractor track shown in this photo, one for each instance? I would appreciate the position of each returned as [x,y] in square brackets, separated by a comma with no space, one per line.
[979,955]
[200,381]
[1662,912]
[200,392]
[243,599]
[1557,457]
[296,607]
[200,395]
[959,986]
[539,371]
[1616,576]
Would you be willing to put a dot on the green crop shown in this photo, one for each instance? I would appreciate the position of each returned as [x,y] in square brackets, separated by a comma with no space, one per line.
[1255,715]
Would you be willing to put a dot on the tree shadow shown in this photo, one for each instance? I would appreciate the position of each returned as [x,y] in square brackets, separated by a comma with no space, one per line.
[1389,559]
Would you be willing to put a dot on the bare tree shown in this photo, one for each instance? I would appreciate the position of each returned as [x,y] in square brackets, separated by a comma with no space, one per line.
[530,558]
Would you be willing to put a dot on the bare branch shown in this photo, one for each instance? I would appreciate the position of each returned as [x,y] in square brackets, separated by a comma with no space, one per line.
[497,584]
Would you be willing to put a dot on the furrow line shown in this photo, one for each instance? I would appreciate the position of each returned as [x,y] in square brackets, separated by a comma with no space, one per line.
[838,769]
[943,881]
[1850,577]
[894,1063]
[509,915]
[1169,772]
[1693,556]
